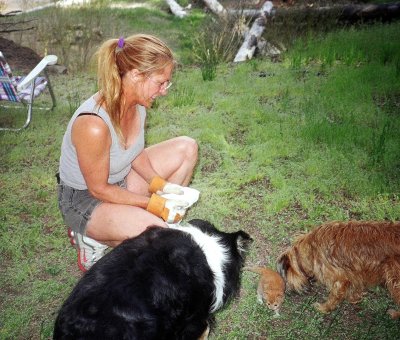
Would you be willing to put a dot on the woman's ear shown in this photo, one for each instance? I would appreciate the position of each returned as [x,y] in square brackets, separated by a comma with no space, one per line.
[133,74]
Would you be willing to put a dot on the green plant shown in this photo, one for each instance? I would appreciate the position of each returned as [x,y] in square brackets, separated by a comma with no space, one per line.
[216,42]
[74,100]
[397,66]
[208,67]
[296,61]
[379,144]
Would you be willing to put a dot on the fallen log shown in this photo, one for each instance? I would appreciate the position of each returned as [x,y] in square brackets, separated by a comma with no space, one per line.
[247,13]
[345,13]
[176,9]
[253,36]
[384,12]
[216,8]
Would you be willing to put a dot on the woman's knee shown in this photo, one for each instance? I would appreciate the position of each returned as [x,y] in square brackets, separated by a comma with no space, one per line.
[189,147]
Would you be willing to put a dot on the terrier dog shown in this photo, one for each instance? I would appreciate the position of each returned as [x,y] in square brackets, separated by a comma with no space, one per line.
[346,257]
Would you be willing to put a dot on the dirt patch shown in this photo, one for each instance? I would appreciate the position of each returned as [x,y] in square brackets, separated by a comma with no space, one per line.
[19,58]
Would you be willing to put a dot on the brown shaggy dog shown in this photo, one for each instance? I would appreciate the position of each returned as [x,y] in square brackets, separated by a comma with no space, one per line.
[346,257]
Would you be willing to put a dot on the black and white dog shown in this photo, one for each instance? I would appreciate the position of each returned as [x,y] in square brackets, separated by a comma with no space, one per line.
[163,284]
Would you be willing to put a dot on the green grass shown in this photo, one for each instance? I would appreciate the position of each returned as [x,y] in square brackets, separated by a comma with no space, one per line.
[351,46]
[283,147]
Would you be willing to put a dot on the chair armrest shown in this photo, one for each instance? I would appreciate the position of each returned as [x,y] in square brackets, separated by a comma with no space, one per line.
[47,60]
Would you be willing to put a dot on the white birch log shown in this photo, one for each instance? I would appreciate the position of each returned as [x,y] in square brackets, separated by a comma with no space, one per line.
[252,37]
[247,13]
[176,9]
[216,7]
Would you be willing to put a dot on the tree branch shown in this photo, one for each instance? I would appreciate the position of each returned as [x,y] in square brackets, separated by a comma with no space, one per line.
[10,14]
[17,30]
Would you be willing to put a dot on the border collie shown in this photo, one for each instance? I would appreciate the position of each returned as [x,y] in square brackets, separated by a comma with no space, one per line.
[163,284]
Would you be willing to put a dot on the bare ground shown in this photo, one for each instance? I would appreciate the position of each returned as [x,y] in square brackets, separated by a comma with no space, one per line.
[19,57]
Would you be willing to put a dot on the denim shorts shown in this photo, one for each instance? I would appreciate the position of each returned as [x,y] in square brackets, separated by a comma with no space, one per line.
[77,206]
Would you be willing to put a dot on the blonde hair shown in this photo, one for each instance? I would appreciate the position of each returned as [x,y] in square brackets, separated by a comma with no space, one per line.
[115,57]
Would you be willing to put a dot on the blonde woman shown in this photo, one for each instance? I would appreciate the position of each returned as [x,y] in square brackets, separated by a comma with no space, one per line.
[108,180]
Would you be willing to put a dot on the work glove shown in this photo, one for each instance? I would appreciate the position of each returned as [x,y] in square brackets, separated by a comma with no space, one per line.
[170,210]
[160,185]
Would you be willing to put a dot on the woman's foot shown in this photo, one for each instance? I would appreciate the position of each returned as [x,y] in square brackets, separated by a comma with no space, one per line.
[89,250]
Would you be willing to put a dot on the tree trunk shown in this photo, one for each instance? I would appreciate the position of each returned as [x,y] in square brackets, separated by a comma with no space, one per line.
[252,37]
[176,9]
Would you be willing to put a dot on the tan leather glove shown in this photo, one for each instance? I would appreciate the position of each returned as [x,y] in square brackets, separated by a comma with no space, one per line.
[171,211]
[160,185]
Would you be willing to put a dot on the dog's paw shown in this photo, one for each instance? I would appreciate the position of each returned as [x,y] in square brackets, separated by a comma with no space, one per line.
[205,334]
[394,314]
[355,299]
[321,307]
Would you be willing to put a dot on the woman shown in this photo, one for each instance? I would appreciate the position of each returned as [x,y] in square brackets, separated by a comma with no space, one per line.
[106,175]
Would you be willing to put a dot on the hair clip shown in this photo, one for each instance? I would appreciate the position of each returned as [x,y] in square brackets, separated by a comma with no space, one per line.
[121,42]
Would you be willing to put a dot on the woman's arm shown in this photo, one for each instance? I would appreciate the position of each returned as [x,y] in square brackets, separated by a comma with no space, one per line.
[92,140]
[142,165]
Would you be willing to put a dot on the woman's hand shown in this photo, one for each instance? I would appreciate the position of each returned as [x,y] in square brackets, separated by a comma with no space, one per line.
[160,185]
[171,211]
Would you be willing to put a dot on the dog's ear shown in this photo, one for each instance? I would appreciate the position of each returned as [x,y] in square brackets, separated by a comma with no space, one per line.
[282,265]
[243,241]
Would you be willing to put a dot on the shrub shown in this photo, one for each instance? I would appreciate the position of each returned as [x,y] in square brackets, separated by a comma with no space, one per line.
[217,41]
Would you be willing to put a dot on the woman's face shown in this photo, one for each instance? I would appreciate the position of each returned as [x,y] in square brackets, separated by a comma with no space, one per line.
[149,87]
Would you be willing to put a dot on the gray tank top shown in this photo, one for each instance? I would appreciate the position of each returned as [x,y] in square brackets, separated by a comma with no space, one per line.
[120,158]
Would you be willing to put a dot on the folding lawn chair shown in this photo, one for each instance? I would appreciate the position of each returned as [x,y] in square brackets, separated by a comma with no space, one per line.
[24,89]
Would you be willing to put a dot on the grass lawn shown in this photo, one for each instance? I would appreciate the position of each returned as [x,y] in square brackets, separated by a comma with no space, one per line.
[283,147]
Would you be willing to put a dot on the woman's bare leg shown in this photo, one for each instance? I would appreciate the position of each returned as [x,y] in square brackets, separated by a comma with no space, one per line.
[173,160]
[113,223]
